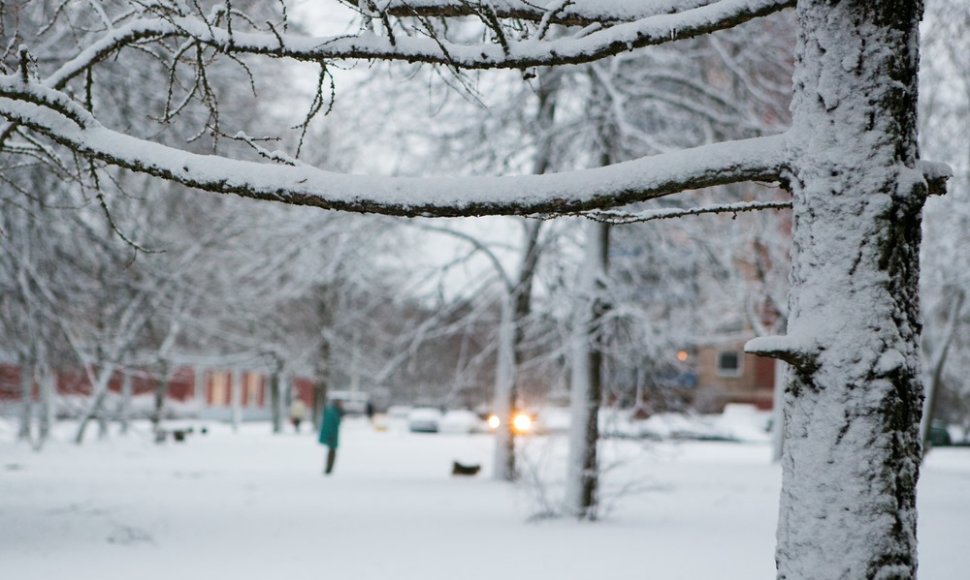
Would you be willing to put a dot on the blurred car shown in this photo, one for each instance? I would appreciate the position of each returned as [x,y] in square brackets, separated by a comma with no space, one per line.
[550,420]
[523,422]
[461,421]
[424,420]
[399,411]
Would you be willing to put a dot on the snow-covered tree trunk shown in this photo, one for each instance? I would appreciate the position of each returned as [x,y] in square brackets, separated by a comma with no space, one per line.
[504,460]
[583,471]
[198,387]
[96,410]
[321,371]
[102,424]
[158,398]
[235,394]
[124,412]
[778,410]
[26,402]
[48,402]
[517,307]
[520,306]
[276,400]
[852,404]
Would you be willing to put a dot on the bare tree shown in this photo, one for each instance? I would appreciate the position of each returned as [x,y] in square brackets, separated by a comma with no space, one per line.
[945,104]
[851,160]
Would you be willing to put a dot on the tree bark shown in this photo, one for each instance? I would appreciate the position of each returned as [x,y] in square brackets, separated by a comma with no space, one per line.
[778,411]
[275,400]
[852,403]
[26,401]
[504,394]
[161,390]
[321,380]
[511,355]
[48,402]
[96,410]
[512,331]
[124,413]
[582,486]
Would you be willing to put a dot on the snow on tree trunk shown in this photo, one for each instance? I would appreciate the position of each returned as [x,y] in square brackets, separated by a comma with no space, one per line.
[26,401]
[198,386]
[778,410]
[321,380]
[236,399]
[124,413]
[96,410]
[161,390]
[276,401]
[102,425]
[503,399]
[519,304]
[48,394]
[852,403]
[583,471]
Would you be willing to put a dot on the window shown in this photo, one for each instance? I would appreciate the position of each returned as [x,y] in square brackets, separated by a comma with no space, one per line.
[218,389]
[729,364]
[254,384]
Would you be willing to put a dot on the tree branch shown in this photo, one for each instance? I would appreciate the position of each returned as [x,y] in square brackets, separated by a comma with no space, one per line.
[576,13]
[760,159]
[652,30]
[622,217]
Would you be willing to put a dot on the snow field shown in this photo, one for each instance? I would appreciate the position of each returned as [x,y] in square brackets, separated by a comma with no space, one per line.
[251,505]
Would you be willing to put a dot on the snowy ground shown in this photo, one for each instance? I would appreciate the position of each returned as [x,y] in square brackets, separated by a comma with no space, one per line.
[255,506]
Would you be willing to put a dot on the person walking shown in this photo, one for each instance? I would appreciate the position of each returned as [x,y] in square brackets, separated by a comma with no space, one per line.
[297,412]
[329,432]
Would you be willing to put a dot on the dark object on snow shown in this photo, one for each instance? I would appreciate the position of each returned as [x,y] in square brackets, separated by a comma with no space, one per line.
[180,434]
[459,469]
[940,437]
[330,430]
[204,431]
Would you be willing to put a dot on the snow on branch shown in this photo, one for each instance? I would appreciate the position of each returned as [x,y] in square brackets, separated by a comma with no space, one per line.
[759,159]
[798,351]
[936,175]
[650,30]
[621,217]
[564,12]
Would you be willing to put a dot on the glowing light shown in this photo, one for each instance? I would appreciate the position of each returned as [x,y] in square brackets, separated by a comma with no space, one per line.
[682,355]
[522,423]
[493,422]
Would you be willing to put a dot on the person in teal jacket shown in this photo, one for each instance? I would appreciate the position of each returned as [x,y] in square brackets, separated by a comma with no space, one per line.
[330,431]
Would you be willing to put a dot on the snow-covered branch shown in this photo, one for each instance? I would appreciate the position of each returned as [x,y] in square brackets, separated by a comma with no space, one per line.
[759,159]
[564,12]
[650,30]
[622,217]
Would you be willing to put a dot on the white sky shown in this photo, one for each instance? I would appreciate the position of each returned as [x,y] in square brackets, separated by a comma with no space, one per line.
[333,18]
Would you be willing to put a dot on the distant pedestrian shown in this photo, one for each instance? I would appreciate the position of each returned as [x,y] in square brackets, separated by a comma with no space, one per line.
[369,411]
[297,413]
[330,430]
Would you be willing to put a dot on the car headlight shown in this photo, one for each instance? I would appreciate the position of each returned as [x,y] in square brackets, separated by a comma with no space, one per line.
[494,421]
[522,423]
